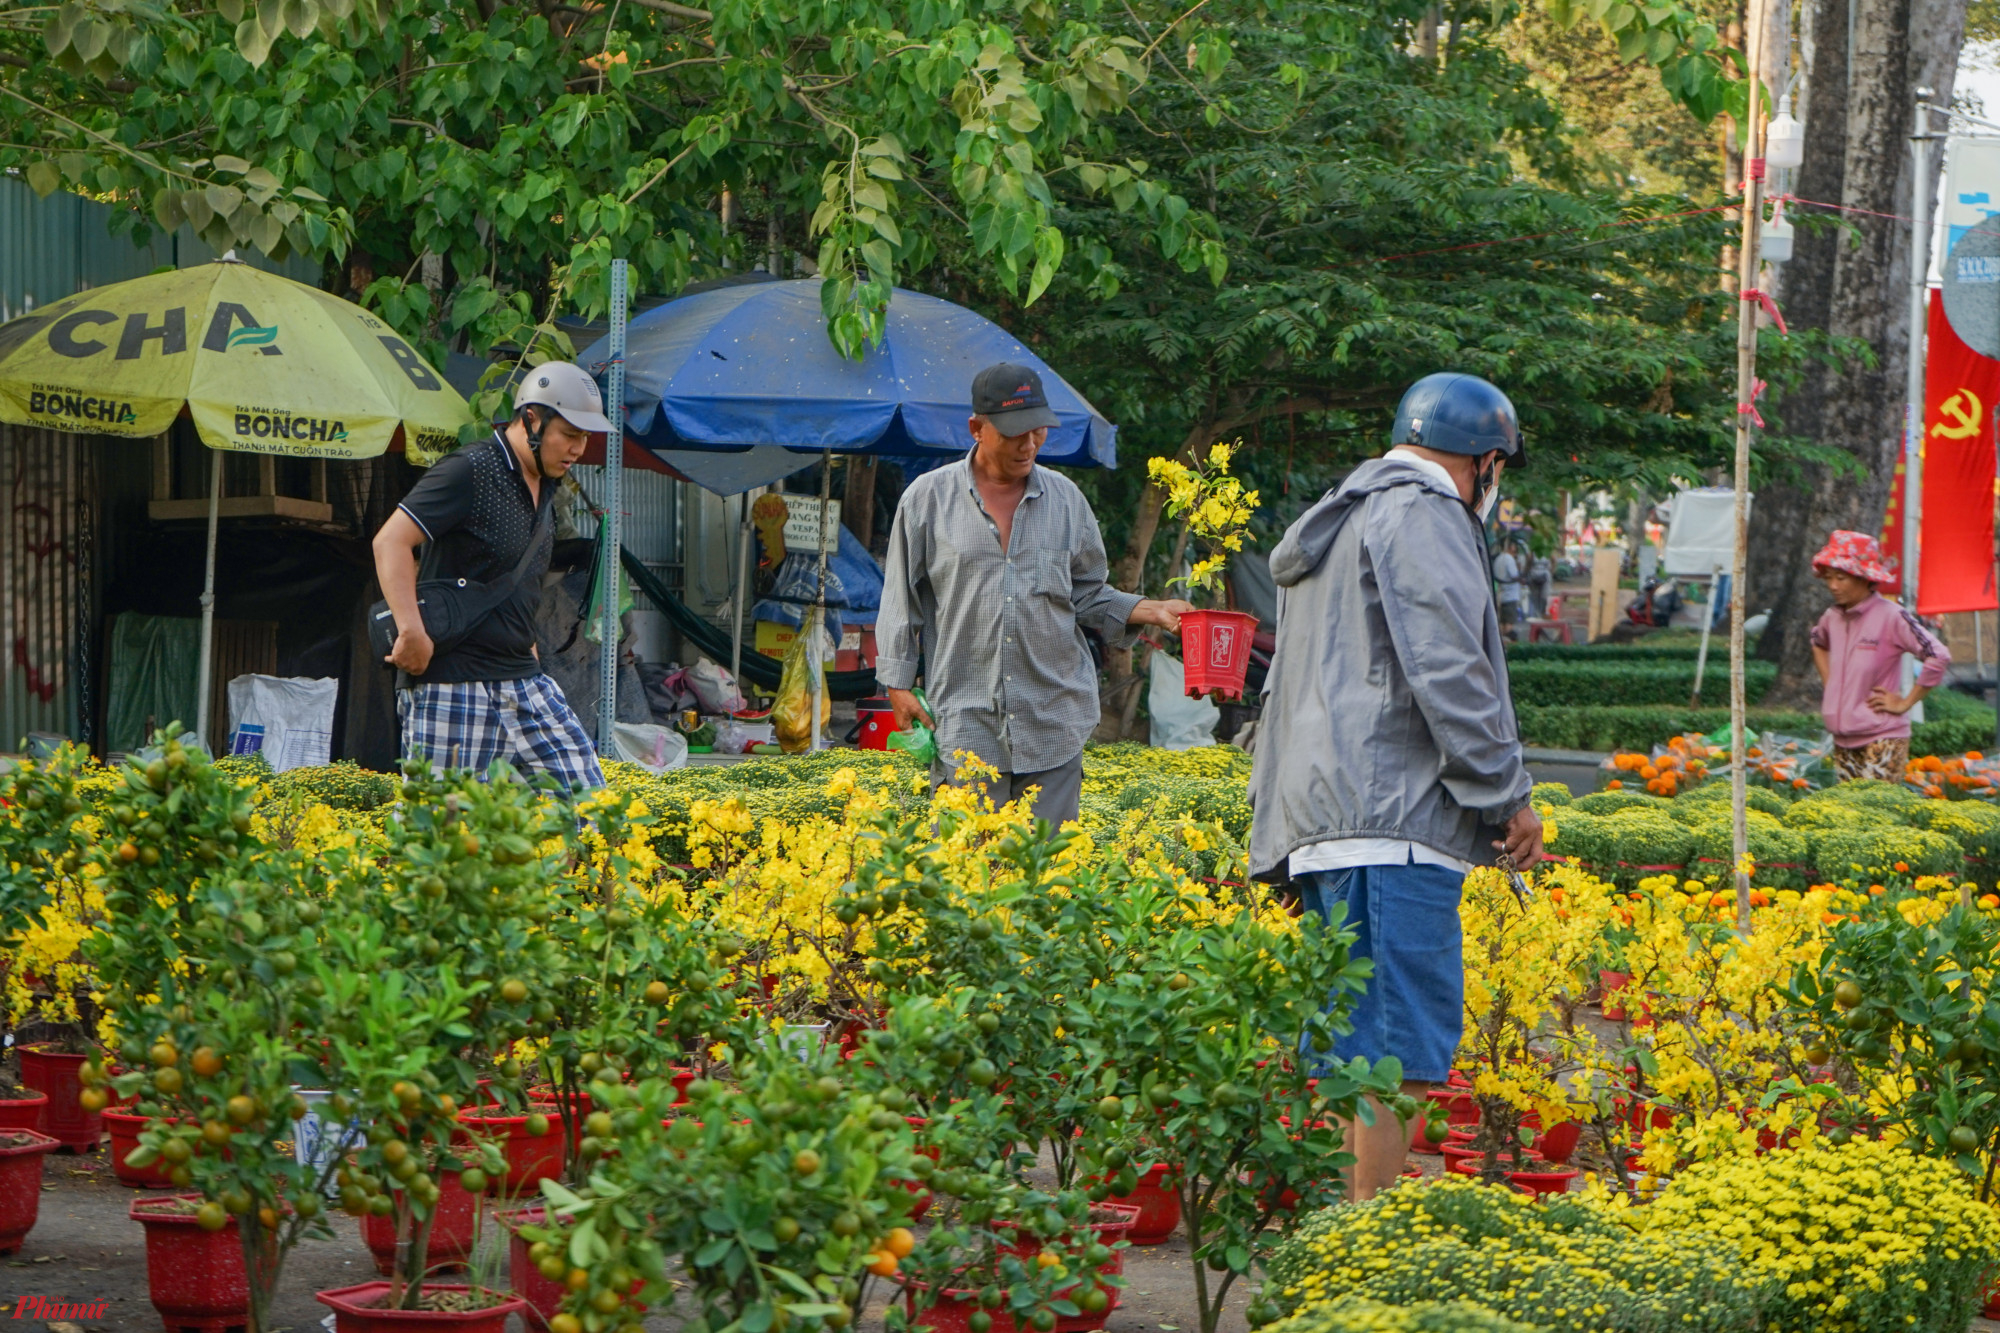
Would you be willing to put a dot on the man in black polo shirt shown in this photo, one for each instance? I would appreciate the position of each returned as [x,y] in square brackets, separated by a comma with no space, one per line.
[488,698]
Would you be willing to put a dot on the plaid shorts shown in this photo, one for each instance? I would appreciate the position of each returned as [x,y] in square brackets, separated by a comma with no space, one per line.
[469,724]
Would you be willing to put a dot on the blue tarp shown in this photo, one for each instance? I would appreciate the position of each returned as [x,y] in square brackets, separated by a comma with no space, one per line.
[746,365]
[853,587]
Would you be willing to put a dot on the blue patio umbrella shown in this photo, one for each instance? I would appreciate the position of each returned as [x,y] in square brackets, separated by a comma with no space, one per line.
[737,367]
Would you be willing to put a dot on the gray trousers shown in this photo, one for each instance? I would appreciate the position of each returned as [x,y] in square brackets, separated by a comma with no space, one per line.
[1061,788]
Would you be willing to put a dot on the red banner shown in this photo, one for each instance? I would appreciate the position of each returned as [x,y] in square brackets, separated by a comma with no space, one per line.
[1961,394]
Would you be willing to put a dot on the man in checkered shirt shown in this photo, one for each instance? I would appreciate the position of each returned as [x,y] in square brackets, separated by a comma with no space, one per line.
[996,567]
[477,509]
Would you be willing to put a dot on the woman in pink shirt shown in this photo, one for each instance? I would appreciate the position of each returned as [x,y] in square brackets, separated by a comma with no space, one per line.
[1858,646]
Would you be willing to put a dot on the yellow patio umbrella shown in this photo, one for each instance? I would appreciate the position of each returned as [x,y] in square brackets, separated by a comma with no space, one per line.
[261,363]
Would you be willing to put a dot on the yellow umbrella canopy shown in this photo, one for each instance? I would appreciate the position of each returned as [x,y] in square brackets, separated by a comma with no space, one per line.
[263,365]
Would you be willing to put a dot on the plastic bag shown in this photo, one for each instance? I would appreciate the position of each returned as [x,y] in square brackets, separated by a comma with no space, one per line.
[653,748]
[919,740]
[714,687]
[734,737]
[287,719]
[792,714]
[1179,723]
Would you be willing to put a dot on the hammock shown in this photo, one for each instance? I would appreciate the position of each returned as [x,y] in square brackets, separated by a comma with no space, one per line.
[758,669]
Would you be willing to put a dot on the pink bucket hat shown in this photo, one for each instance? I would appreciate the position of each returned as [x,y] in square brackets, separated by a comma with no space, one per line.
[1855,553]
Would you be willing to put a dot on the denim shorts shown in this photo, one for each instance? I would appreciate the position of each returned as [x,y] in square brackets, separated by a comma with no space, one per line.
[1405,921]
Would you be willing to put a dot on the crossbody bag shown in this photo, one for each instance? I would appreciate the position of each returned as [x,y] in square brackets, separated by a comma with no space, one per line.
[453,608]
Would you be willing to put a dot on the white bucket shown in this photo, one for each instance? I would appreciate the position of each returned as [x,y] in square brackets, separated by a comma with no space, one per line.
[318,1142]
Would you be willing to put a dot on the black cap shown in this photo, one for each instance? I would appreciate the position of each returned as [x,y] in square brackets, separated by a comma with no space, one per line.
[1011,397]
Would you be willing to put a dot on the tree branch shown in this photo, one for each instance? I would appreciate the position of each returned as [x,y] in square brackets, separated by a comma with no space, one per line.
[678,11]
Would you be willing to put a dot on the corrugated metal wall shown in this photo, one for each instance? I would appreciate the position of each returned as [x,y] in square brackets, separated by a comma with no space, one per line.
[44,556]
[55,247]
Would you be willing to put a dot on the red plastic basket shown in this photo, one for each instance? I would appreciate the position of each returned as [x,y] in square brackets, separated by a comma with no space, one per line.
[1215,651]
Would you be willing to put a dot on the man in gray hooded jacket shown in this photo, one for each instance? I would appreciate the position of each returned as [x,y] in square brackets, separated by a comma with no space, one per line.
[1389,760]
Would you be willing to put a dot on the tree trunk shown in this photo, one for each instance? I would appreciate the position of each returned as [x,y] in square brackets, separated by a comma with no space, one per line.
[1867,62]
[1116,702]
[857,503]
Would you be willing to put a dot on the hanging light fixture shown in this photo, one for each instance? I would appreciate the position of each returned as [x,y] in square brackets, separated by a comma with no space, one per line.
[1785,139]
[1774,243]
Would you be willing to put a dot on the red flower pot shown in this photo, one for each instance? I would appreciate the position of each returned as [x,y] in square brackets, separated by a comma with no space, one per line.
[1215,651]
[542,1296]
[451,1231]
[531,1158]
[1543,1182]
[1158,1204]
[952,1311]
[1111,1224]
[1992,1310]
[1611,983]
[54,1074]
[1556,1145]
[1470,1162]
[124,1128]
[26,1112]
[195,1277]
[359,1310]
[20,1184]
[1459,1108]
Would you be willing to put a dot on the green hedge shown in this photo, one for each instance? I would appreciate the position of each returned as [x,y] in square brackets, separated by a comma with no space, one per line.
[1604,728]
[1645,681]
[1652,648]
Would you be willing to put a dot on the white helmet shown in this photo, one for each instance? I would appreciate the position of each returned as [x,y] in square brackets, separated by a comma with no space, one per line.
[566,389]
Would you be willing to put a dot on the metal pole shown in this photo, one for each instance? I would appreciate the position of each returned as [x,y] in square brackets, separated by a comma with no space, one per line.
[742,595]
[814,661]
[612,532]
[1707,624]
[207,669]
[1913,406]
[1746,395]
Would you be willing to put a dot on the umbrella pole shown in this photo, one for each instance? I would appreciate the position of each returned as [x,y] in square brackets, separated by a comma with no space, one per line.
[612,520]
[207,668]
[742,593]
[813,659]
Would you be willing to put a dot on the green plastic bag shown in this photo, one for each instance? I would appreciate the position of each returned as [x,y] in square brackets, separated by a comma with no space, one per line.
[919,740]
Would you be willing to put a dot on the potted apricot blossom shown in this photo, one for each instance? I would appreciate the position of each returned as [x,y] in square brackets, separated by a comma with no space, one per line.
[1215,643]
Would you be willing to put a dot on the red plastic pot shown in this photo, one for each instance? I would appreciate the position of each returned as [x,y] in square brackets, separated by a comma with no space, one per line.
[1611,983]
[54,1074]
[531,1158]
[1459,1108]
[359,1310]
[1159,1208]
[1543,1182]
[24,1112]
[1992,1310]
[124,1128]
[952,1311]
[1556,1145]
[1215,651]
[1111,1224]
[195,1277]
[542,1296]
[20,1184]
[451,1230]
[1470,1162]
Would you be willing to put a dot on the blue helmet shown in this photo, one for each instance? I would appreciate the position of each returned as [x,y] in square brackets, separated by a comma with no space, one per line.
[1457,413]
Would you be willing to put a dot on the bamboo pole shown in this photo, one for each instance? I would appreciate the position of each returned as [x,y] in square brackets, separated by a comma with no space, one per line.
[1748,261]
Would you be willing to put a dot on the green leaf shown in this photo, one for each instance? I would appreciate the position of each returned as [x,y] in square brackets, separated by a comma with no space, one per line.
[44,177]
[252,43]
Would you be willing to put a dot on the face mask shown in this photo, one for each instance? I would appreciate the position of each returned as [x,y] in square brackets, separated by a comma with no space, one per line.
[1489,485]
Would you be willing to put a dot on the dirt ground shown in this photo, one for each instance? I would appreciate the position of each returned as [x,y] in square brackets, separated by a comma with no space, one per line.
[84,1248]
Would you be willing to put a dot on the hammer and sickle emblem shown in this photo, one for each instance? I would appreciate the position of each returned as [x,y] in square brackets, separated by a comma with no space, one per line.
[1962,407]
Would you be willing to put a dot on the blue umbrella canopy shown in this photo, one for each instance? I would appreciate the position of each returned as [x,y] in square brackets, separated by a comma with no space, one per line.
[740,366]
